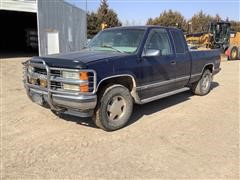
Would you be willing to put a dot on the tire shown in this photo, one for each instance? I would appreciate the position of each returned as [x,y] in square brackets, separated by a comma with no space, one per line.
[114,108]
[203,86]
[234,53]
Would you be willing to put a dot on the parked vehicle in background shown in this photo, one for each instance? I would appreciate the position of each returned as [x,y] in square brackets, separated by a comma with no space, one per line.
[219,36]
[121,66]
[233,52]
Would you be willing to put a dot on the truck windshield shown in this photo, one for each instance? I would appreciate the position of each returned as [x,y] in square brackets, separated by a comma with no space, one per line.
[120,40]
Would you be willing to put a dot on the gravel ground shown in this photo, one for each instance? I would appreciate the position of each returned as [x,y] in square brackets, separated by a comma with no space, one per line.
[183,136]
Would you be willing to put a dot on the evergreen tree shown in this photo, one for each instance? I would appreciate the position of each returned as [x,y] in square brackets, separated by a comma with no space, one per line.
[103,15]
[169,19]
[200,22]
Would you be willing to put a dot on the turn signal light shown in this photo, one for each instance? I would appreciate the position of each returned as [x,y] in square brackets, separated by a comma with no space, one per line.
[83,76]
[84,88]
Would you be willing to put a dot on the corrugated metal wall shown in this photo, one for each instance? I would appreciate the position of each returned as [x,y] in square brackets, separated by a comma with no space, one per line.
[68,20]
[19,5]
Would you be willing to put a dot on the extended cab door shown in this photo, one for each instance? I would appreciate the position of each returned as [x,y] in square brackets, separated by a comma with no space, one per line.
[161,68]
[182,58]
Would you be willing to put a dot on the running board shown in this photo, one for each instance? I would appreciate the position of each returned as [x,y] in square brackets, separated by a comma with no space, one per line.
[164,95]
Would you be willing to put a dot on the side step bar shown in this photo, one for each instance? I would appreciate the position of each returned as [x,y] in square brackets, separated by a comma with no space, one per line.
[164,95]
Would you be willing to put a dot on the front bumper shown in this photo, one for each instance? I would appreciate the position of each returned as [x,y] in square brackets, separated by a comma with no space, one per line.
[84,104]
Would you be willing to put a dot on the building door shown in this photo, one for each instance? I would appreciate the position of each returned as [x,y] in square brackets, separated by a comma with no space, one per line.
[52,42]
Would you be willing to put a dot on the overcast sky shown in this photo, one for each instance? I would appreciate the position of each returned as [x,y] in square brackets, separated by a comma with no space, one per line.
[139,11]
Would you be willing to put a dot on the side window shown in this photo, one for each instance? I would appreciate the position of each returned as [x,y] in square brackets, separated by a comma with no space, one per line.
[158,39]
[178,40]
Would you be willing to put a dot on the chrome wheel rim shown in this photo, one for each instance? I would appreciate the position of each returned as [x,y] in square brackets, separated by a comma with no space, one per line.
[206,82]
[116,108]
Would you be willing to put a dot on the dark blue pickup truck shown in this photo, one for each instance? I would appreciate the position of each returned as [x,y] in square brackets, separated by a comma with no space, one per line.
[120,67]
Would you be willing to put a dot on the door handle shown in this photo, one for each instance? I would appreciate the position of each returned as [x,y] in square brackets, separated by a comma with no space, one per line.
[173,62]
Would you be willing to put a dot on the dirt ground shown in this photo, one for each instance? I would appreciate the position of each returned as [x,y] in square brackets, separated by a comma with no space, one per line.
[183,136]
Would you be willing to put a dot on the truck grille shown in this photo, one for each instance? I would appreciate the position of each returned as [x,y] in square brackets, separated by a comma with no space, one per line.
[40,71]
[51,79]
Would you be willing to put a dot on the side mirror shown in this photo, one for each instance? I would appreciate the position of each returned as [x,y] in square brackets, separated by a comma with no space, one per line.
[152,53]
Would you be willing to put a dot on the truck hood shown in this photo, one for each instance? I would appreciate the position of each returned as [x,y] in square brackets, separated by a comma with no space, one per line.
[78,59]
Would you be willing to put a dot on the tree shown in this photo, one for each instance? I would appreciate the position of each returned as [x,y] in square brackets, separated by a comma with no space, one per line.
[169,18]
[103,15]
[235,26]
[92,25]
[200,22]
[108,16]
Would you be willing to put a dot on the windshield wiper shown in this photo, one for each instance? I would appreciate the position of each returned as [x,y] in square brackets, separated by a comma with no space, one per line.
[107,46]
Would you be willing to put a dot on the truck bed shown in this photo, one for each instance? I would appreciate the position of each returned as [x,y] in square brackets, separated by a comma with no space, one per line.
[201,58]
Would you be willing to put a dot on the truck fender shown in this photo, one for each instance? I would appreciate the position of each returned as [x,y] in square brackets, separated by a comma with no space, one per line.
[134,85]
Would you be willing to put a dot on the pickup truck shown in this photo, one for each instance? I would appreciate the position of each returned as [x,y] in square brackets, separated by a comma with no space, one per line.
[120,67]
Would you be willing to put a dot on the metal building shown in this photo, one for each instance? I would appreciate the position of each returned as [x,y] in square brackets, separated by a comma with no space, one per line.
[40,26]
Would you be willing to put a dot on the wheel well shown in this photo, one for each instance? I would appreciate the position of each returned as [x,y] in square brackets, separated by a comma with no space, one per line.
[209,67]
[126,81]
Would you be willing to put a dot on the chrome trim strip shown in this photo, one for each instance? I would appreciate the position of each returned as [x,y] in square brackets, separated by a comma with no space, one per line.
[163,95]
[76,98]
[195,75]
[163,83]
[67,92]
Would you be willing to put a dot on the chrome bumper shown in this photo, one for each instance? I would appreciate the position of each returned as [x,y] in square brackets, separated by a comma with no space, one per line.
[84,104]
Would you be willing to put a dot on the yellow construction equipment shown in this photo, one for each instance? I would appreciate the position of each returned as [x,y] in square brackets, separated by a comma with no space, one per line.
[219,36]
[233,52]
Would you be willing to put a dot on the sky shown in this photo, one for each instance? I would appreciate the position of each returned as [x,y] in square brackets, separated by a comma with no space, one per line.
[136,12]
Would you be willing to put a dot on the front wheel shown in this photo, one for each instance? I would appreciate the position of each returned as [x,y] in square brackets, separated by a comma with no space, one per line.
[203,86]
[114,108]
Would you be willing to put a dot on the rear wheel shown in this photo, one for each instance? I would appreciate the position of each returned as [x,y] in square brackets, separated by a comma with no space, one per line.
[234,53]
[114,108]
[203,86]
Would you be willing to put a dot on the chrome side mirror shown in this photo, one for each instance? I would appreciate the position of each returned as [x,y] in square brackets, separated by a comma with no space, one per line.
[152,53]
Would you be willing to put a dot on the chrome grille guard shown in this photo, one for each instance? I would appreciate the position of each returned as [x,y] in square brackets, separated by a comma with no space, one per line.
[56,78]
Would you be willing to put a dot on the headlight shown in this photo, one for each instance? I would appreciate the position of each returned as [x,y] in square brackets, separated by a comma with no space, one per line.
[71,75]
[71,87]
[83,76]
